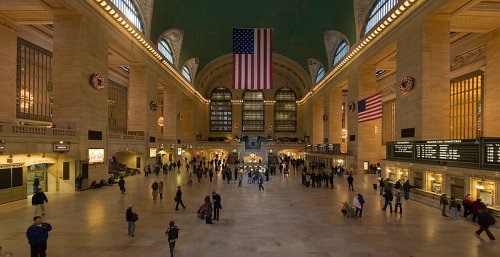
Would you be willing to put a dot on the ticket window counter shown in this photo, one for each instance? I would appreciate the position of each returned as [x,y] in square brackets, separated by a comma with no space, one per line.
[457,187]
[402,174]
[36,171]
[485,190]
[435,183]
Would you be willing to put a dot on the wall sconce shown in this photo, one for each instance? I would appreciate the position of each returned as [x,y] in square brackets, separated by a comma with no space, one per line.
[43,155]
[29,155]
[10,156]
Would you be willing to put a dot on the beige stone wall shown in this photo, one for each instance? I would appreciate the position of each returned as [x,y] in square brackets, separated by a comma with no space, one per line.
[317,124]
[8,59]
[492,90]
[334,123]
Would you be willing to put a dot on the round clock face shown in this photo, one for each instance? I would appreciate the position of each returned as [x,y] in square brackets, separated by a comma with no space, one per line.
[351,107]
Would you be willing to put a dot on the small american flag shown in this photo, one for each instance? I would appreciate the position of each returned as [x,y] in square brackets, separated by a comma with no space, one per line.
[252,59]
[370,108]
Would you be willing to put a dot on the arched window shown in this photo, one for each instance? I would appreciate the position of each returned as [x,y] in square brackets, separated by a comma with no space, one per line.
[320,74]
[221,113]
[253,111]
[379,11]
[166,50]
[341,51]
[130,10]
[186,72]
[285,111]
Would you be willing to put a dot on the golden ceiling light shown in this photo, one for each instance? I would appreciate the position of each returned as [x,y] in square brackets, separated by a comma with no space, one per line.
[407,4]
[112,11]
[386,23]
[397,12]
[103,3]
[107,8]
[394,16]
[389,19]
[402,8]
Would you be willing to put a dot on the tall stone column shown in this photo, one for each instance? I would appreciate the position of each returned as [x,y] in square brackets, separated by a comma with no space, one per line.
[142,90]
[335,116]
[187,121]
[8,66]
[80,50]
[317,120]
[326,114]
[424,54]
[269,118]
[367,138]
[237,118]
[170,113]
[491,116]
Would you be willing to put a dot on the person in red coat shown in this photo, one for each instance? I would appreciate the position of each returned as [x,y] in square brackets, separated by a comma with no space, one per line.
[477,206]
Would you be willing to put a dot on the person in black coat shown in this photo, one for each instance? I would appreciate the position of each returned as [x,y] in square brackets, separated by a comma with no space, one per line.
[121,184]
[485,220]
[178,199]
[388,200]
[38,200]
[350,182]
[37,235]
[217,204]
[131,218]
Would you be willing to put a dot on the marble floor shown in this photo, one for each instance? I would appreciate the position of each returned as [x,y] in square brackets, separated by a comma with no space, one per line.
[287,219]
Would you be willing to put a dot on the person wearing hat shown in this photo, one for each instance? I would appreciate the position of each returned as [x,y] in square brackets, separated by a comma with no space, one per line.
[37,235]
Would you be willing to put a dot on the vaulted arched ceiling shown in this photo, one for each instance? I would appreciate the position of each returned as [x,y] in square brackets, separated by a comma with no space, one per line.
[298,25]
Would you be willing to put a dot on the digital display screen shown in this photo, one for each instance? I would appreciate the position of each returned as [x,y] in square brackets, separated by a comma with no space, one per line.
[448,150]
[492,151]
[403,149]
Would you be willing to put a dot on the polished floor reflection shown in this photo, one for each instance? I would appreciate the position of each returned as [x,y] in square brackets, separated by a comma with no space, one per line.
[287,219]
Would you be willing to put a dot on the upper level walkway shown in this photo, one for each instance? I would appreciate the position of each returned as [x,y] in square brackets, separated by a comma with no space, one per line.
[287,219]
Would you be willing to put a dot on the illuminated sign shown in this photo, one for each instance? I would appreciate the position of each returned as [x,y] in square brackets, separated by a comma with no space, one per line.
[96,155]
[60,147]
[152,152]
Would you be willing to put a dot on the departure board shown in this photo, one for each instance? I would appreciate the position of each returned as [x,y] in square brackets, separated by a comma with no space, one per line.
[403,150]
[492,151]
[448,150]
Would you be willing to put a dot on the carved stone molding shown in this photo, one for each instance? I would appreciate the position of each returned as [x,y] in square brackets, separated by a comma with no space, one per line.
[361,9]
[174,37]
[389,90]
[466,59]
[192,64]
[146,9]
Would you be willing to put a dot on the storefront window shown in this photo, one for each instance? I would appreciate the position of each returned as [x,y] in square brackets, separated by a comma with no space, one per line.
[485,190]
[418,181]
[457,187]
[402,174]
[435,182]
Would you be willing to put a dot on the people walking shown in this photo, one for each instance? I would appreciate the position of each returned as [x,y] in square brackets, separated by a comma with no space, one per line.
[131,217]
[217,205]
[178,199]
[485,220]
[160,189]
[350,182]
[443,202]
[477,206]
[38,200]
[454,208]
[36,184]
[37,235]
[261,182]
[155,187]
[399,202]
[172,234]
[208,210]
[240,180]
[381,186]
[388,197]
[121,184]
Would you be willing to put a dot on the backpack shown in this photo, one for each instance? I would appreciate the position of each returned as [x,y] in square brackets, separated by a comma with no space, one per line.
[491,219]
[172,233]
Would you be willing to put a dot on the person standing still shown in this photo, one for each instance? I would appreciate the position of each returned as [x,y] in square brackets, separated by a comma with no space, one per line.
[406,189]
[160,189]
[399,203]
[217,204]
[240,180]
[261,182]
[178,199]
[36,183]
[454,205]
[209,209]
[131,217]
[350,182]
[172,234]
[121,184]
[37,235]
[443,201]
[38,200]
[388,197]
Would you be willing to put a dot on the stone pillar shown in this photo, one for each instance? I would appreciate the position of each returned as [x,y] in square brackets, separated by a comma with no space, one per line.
[491,116]
[304,121]
[335,116]
[326,123]
[142,90]
[367,145]
[170,113]
[238,118]
[269,118]
[424,54]
[81,49]
[317,123]
[8,66]
[187,122]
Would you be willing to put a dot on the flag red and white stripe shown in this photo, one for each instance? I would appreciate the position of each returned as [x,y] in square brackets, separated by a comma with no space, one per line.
[252,59]
[370,108]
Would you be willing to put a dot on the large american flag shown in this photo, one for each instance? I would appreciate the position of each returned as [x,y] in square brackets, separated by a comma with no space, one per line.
[370,108]
[252,59]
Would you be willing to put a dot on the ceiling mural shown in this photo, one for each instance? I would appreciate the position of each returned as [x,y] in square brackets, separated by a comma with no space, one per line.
[298,25]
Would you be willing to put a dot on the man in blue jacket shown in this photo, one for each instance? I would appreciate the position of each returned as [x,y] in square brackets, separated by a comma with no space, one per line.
[37,235]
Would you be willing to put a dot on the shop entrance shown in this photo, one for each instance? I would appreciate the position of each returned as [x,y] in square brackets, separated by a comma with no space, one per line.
[37,172]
